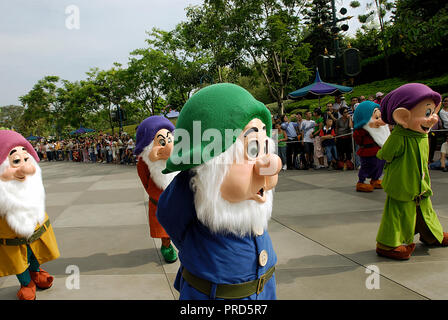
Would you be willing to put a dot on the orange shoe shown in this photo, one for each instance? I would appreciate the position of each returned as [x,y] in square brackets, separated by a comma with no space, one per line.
[399,253]
[27,292]
[376,184]
[436,243]
[364,187]
[445,240]
[42,279]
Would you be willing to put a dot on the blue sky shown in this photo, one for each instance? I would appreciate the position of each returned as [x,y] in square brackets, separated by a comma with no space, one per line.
[35,41]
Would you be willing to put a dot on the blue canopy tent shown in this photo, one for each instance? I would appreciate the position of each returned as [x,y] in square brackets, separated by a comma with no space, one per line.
[32,138]
[172,114]
[81,130]
[317,89]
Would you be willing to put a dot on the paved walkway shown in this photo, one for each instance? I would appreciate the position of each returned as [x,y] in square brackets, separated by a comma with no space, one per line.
[322,230]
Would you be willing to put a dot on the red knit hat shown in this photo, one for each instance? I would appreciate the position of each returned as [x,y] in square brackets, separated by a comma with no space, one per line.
[11,139]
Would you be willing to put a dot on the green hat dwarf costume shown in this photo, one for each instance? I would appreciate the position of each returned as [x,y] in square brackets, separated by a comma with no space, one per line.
[220,106]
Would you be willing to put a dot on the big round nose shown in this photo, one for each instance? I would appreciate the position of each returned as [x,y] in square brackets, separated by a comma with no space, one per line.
[268,165]
[26,169]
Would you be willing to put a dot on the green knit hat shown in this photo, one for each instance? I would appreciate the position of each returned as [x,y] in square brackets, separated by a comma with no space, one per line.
[220,106]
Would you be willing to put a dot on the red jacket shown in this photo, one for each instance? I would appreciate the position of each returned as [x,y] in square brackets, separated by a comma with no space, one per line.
[154,192]
[367,146]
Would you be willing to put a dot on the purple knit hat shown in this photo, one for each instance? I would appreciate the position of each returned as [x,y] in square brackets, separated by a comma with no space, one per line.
[11,139]
[148,129]
[407,96]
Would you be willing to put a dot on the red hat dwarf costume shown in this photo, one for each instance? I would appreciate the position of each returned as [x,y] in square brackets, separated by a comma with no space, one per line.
[154,142]
[408,209]
[10,139]
[27,239]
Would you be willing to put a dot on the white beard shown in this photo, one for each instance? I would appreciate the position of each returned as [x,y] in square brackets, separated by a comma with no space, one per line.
[23,203]
[380,134]
[155,169]
[219,215]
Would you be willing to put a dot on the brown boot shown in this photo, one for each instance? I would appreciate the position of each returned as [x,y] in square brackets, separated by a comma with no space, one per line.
[364,187]
[27,292]
[399,253]
[376,184]
[42,279]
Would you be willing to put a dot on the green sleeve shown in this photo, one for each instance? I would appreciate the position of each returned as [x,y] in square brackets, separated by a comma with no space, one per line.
[392,149]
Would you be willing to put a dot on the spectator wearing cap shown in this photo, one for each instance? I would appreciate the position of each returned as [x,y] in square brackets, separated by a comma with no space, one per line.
[379,97]
[339,102]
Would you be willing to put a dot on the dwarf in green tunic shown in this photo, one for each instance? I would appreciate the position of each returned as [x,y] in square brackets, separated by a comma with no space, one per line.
[413,109]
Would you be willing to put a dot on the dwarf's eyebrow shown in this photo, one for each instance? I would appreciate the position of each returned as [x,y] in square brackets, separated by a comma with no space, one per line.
[12,151]
[167,133]
[160,135]
[253,129]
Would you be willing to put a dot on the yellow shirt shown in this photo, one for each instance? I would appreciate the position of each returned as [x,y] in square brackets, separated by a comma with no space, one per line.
[13,259]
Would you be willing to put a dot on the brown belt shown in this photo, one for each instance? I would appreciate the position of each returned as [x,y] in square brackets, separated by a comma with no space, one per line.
[19,241]
[229,291]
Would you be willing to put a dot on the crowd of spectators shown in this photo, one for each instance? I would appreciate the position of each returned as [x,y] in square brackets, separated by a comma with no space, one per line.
[98,148]
[317,139]
[323,139]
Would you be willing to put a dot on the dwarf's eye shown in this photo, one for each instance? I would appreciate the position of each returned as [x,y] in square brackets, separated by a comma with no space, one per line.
[169,140]
[428,113]
[266,147]
[16,161]
[253,149]
[162,142]
[26,159]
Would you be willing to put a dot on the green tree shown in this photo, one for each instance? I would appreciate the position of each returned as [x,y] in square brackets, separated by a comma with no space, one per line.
[264,33]
[111,89]
[185,64]
[420,26]
[376,10]
[317,18]
[11,116]
[144,76]
[43,109]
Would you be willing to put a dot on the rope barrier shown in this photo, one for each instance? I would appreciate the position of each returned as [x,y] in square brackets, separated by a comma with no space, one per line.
[342,135]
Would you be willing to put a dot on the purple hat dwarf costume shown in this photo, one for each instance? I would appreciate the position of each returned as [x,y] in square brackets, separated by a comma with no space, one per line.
[407,96]
[148,129]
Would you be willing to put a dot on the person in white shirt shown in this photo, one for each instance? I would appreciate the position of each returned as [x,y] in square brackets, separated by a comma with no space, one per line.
[442,163]
[339,102]
[307,128]
[443,114]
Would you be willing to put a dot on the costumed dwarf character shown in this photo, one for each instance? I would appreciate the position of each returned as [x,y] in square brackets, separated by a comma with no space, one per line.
[153,148]
[413,109]
[217,208]
[26,235]
[370,133]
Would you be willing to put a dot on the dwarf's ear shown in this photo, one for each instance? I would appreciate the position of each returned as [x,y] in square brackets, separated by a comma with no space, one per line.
[402,116]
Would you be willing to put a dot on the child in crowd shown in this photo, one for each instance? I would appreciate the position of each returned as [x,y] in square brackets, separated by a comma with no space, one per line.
[327,135]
